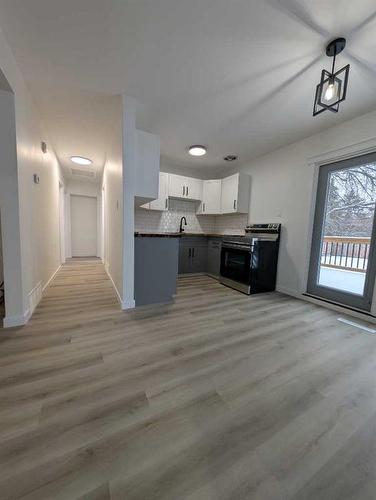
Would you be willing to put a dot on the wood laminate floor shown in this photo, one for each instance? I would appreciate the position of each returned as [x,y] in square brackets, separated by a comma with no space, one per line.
[218,396]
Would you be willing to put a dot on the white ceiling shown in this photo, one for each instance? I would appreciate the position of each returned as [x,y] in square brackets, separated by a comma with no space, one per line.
[238,76]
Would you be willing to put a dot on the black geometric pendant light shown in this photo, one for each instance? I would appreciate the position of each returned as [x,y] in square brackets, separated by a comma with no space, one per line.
[332,88]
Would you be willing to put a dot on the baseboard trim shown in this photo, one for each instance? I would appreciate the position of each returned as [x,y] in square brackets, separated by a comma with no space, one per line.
[118,296]
[289,291]
[51,278]
[214,276]
[35,296]
[191,275]
[328,305]
[145,307]
[350,311]
[13,321]
[128,304]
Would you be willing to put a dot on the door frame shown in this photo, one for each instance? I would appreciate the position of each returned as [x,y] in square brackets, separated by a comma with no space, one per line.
[104,228]
[62,222]
[364,302]
[315,162]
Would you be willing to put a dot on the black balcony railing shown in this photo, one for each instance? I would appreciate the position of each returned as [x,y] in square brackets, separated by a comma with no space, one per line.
[343,252]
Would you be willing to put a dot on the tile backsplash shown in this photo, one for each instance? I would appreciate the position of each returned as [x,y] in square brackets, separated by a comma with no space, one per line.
[231,224]
[153,221]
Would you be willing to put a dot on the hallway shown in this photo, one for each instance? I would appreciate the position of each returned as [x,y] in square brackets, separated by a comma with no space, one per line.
[215,397]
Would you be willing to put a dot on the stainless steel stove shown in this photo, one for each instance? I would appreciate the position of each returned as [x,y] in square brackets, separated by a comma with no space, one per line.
[249,263]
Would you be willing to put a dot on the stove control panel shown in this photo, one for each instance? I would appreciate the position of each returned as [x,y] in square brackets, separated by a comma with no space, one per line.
[263,228]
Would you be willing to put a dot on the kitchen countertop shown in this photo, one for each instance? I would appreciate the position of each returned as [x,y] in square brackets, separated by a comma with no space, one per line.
[141,234]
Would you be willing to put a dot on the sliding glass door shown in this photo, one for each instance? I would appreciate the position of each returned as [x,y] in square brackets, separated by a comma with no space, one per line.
[343,263]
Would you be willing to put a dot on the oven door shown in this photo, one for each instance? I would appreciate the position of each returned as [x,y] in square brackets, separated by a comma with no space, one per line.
[236,264]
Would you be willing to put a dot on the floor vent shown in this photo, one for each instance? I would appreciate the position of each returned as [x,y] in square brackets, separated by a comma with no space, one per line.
[80,172]
[362,327]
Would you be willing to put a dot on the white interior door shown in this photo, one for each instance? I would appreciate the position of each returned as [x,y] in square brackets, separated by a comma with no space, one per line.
[84,226]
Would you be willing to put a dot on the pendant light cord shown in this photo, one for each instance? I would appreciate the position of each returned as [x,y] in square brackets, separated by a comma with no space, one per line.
[334,62]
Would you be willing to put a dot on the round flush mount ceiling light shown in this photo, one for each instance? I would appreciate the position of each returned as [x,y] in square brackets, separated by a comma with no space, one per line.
[230,158]
[80,160]
[197,150]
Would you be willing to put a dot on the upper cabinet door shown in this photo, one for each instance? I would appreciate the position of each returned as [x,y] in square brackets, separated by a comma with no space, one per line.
[229,194]
[185,187]
[193,188]
[161,203]
[177,186]
[211,197]
[235,194]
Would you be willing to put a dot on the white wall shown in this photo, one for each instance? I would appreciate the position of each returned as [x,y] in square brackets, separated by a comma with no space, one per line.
[82,187]
[38,204]
[112,193]
[283,190]
[131,169]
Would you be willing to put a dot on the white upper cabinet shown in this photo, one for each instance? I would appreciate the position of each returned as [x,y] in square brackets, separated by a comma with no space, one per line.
[176,186]
[161,203]
[185,187]
[193,188]
[217,196]
[235,194]
[211,197]
[147,158]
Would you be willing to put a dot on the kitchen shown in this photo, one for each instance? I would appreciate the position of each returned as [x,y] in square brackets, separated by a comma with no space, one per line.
[150,348]
[199,227]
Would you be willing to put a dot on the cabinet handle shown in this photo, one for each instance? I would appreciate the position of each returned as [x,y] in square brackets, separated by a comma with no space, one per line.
[183,190]
[203,207]
[187,191]
[190,252]
[193,252]
[166,202]
[234,204]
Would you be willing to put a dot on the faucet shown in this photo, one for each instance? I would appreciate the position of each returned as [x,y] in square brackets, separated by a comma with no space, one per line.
[181,224]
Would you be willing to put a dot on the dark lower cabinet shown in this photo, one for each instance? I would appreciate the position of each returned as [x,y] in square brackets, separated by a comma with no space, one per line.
[199,255]
[214,256]
[184,259]
[199,258]
[193,254]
